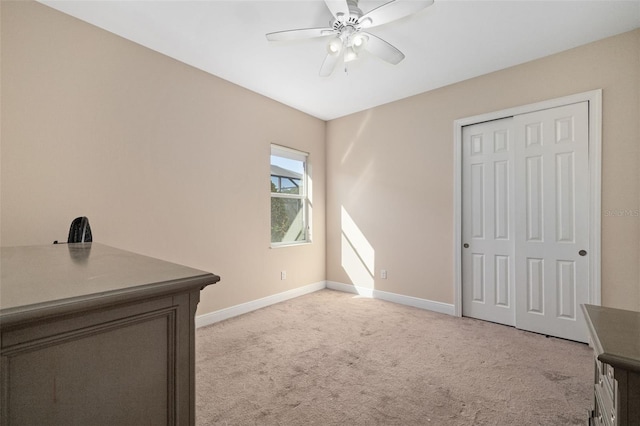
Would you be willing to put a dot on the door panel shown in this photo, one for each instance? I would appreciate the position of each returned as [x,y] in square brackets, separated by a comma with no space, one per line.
[535,286]
[501,191]
[478,277]
[566,282]
[533,194]
[502,271]
[477,205]
[487,223]
[555,198]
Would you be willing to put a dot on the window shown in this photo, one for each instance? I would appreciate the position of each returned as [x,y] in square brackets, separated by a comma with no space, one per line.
[289,197]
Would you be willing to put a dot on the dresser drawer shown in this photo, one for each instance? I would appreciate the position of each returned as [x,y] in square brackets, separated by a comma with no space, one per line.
[605,410]
[606,382]
[607,375]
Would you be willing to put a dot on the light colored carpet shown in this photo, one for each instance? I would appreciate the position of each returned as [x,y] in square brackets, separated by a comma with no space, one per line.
[332,358]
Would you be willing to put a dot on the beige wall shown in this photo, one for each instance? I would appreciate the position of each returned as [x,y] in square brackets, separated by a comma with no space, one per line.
[164,159]
[391,170]
[171,162]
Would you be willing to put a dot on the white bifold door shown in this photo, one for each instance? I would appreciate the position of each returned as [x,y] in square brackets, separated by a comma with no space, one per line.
[525,223]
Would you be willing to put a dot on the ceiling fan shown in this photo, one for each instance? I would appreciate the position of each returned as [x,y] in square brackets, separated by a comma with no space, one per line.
[347,31]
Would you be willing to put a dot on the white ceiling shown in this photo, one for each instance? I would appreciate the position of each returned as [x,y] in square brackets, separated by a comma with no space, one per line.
[447,42]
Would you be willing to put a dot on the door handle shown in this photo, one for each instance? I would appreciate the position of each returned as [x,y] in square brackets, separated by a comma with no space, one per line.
[582,252]
[465,245]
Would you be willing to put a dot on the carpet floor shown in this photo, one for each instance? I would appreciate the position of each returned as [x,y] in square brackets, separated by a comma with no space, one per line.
[333,358]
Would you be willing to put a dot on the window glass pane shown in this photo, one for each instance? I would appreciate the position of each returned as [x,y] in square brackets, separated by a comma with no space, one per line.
[290,185]
[287,175]
[275,183]
[287,220]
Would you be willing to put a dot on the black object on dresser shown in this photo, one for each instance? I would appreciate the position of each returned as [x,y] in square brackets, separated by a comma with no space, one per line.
[93,335]
[615,334]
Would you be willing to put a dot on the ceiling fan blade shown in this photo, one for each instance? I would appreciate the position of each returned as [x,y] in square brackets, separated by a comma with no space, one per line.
[299,34]
[339,9]
[391,11]
[382,49]
[329,64]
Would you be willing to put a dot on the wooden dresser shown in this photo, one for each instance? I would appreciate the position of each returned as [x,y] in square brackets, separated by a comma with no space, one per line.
[615,335]
[93,335]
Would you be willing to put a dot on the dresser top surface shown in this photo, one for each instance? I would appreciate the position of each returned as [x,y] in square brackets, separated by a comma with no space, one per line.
[58,275]
[616,335]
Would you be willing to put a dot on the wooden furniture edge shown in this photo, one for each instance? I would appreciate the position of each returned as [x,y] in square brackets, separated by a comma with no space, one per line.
[22,315]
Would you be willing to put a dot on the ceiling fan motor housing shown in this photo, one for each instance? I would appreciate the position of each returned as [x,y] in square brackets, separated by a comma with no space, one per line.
[352,20]
[347,29]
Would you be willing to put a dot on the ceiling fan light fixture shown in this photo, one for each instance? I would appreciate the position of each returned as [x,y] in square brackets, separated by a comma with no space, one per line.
[335,46]
[358,41]
[350,54]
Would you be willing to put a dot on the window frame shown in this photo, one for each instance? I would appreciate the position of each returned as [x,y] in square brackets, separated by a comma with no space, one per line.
[305,195]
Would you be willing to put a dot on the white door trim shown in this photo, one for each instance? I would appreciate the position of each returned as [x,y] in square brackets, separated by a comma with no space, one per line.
[594,98]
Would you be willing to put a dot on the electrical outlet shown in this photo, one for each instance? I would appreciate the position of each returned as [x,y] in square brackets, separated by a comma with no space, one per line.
[383,274]
[283,275]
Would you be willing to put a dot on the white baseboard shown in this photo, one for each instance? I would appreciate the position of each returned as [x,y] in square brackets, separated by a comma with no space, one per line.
[234,311]
[430,305]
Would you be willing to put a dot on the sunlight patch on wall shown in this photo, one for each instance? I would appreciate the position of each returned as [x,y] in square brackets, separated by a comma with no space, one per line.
[358,136]
[358,256]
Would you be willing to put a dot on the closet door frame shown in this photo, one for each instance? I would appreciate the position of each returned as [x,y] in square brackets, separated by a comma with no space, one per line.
[594,98]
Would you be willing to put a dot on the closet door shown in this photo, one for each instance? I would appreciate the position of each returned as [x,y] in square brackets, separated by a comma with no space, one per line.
[552,225]
[487,222]
[525,221]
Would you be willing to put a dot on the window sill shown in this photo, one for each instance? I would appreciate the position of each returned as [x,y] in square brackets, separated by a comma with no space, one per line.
[282,245]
